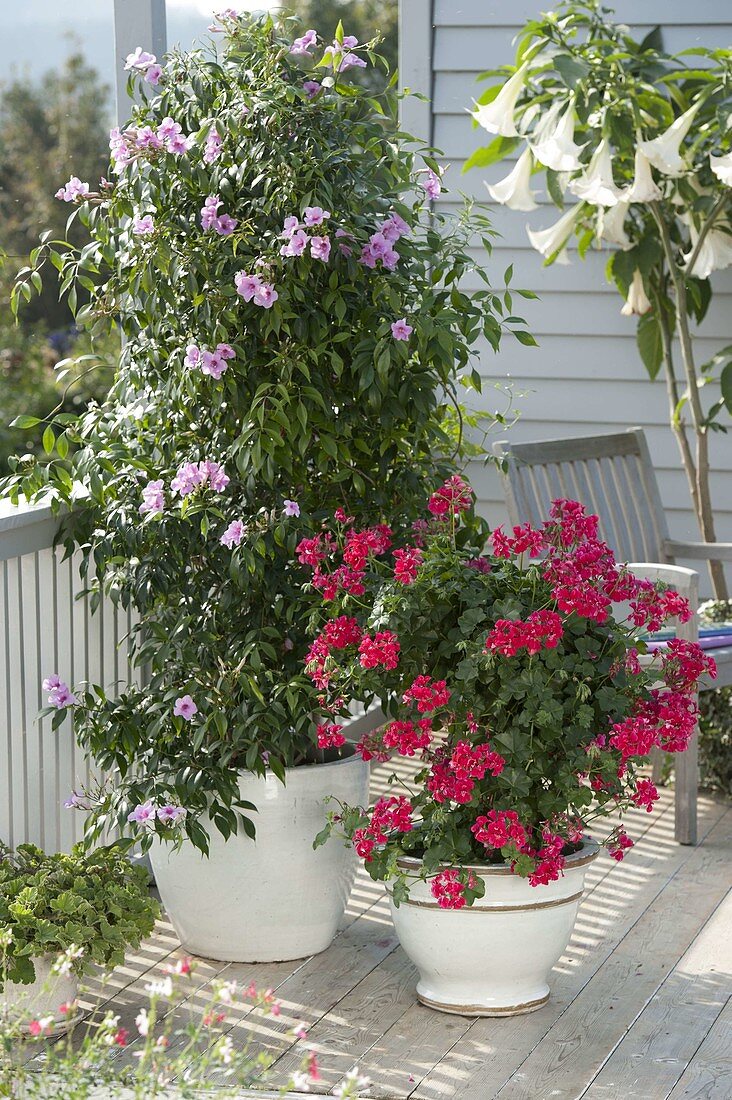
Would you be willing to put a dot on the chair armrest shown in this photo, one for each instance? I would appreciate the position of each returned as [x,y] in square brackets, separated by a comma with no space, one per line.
[707,551]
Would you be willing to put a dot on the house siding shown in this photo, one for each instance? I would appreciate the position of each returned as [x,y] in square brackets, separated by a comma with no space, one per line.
[586,375]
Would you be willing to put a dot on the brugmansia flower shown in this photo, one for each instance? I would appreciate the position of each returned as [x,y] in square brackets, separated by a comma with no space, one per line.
[637,300]
[554,144]
[664,151]
[611,224]
[497,116]
[513,190]
[552,240]
[596,184]
[722,168]
[643,188]
[714,254]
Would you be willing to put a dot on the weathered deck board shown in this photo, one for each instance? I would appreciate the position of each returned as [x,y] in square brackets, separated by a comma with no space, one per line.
[639,1003]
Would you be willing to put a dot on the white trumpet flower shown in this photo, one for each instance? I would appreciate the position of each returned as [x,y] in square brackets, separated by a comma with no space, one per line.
[643,188]
[611,224]
[596,184]
[554,144]
[513,190]
[497,116]
[637,301]
[722,168]
[714,255]
[554,239]
[664,151]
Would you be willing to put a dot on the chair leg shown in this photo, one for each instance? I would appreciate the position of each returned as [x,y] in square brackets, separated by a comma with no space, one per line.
[686,785]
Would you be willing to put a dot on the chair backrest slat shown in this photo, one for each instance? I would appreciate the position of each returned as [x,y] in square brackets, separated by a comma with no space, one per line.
[612,475]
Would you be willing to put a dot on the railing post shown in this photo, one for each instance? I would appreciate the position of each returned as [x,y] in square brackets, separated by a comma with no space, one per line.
[136,23]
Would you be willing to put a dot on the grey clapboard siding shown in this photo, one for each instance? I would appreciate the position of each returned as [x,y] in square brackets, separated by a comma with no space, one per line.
[586,376]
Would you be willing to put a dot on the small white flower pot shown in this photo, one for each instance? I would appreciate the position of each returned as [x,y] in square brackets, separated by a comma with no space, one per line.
[274,898]
[492,958]
[43,998]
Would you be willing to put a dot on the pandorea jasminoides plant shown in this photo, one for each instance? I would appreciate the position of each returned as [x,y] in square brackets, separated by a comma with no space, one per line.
[295,328]
[637,144]
[512,678]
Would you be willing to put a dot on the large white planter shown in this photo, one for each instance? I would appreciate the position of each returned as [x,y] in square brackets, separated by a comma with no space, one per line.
[492,958]
[274,898]
[43,998]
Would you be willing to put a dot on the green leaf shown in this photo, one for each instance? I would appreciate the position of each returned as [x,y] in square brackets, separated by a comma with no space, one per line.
[48,440]
[650,344]
[499,148]
[652,41]
[725,385]
[571,69]
[25,421]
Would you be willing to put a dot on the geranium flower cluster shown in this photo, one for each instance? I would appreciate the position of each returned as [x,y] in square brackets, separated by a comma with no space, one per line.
[389,815]
[532,705]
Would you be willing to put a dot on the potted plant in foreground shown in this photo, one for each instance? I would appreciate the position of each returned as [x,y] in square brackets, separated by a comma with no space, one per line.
[59,915]
[294,330]
[520,693]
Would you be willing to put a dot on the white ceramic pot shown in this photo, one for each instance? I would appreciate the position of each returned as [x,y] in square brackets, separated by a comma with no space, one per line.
[43,998]
[492,958]
[274,898]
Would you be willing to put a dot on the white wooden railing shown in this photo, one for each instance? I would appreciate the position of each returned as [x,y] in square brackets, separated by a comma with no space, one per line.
[45,628]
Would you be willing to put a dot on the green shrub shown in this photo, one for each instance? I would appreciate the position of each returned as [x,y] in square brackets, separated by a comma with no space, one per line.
[49,903]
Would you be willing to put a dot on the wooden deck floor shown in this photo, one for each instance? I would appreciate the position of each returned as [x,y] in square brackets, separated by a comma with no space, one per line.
[641,1003]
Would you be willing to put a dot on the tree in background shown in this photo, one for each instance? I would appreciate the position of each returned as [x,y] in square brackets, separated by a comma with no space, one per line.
[362,18]
[46,129]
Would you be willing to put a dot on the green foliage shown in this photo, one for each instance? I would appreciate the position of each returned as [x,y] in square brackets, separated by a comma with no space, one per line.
[320,404]
[365,19]
[715,717]
[48,903]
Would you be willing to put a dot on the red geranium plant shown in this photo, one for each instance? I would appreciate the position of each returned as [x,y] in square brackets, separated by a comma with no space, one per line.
[516,679]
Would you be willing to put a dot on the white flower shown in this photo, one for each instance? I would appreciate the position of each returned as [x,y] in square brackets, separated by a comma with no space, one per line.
[65,961]
[225,1050]
[300,1081]
[611,222]
[596,184]
[513,190]
[554,144]
[643,188]
[225,992]
[352,1081]
[142,1022]
[163,988]
[551,240]
[714,254]
[497,116]
[664,151]
[722,168]
[637,300]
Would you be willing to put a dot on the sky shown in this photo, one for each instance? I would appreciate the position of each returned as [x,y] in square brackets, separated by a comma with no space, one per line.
[35,33]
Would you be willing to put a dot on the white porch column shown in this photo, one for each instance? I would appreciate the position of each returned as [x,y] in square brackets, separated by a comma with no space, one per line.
[136,23]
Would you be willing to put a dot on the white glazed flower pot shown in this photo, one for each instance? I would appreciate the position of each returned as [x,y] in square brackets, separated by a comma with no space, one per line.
[43,998]
[274,898]
[492,958]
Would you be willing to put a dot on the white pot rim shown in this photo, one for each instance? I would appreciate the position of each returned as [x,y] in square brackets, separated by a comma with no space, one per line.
[586,854]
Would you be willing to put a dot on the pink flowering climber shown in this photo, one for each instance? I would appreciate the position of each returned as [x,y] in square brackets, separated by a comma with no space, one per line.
[143,225]
[210,211]
[153,498]
[400,330]
[233,534]
[140,60]
[431,184]
[170,814]
[296,244]
[265,296]
[311,88]
[291,508]
[59,693]
[247,285]
[185,708]
[212,147]
[303,46]
[320,248]
[315,215]
[144,814]
[74,189]
[153,75]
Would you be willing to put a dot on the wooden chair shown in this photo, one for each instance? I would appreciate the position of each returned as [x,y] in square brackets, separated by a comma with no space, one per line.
[613,476]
